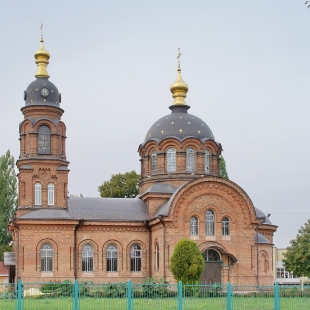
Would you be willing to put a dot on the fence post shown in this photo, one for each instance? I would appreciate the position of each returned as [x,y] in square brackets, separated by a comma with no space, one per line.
[276,297]
[228,296]
[76,294]
[19,294]
[180,294]
[129,292]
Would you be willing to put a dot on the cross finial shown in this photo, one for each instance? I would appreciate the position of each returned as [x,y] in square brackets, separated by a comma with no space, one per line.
[41,30]
[179,56]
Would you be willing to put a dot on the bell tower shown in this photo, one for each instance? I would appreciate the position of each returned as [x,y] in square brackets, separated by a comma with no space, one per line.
[42,164]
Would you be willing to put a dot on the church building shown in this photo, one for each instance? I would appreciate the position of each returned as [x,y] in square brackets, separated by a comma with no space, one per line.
[181,195]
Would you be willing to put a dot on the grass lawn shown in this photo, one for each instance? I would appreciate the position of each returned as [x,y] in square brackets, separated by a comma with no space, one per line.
[217,303]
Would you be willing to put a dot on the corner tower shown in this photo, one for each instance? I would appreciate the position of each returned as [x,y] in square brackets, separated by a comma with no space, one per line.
[179,147]
[42,164]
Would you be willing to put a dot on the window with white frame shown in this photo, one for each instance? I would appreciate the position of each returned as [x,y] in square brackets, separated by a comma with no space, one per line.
[225,226]
[171,160]
[87,258]
[190,160]
[112,258]
[37,194]
[210,223]
[154,162]
[194,226]
[135,258]
[207,161]
[46,258]
[44,140]
[50,194]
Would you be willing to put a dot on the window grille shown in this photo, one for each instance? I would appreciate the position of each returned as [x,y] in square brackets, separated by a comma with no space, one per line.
[112,258]
[210,223]
[225,226]
[171,160]
[211,256]
[135,258]
[87,258]
[44,140]
[46,257]
[190,160]
[194,226]
[50,194]
[207,161]
[37,194]
[154,162]
[156,257]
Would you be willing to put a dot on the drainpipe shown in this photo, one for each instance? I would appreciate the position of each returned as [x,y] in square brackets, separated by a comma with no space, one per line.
[160,217]
[17,251]
[146,223]
[81,222]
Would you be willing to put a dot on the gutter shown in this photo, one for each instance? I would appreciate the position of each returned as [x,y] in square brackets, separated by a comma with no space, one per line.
[18,252]
[81,222]
[160,217]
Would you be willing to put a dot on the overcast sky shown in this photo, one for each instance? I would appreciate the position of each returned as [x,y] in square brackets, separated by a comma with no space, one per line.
[246,64]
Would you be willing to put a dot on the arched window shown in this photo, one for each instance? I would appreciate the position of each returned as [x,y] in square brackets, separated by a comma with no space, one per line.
[190,160]
[171,160]
[194,226]
[135,258]
[50,194]
[112,258]
[87,258]
[154,162]
[156,257]
[207,161]
[37,194]
[46,257]
[210,223]
[225,226]
[44,140]
[211,256]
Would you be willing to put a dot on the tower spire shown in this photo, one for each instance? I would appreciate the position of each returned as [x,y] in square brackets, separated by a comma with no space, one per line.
[42,56]
[179,88]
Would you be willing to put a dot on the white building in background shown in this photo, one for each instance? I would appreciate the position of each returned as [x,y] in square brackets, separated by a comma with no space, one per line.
[282,276]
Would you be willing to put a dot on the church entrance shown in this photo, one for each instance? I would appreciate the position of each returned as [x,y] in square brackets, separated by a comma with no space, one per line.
[213,268]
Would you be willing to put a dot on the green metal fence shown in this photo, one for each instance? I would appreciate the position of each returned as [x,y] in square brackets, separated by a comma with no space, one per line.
[129,296]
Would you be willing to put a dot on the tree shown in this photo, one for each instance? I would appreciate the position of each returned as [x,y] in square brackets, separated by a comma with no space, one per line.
[223,171]
[8,195]
[297,256]
[121,185]
[187,262]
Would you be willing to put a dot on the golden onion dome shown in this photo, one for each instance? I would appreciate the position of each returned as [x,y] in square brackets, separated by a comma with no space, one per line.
[42,56]
[179,88]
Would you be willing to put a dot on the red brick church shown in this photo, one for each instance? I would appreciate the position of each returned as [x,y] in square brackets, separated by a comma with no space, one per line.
[181,195]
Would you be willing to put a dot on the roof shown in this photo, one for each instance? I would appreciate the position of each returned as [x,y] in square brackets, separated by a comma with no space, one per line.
[261,238]
[180,125]
[35,96]
[161,187]
[100,209]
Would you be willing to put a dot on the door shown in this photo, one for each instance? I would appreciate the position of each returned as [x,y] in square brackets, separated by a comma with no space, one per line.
[213,268]
[212,273]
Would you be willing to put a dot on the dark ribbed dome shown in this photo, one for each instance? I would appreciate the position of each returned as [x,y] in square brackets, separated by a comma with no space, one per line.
[42,92]
[179,124]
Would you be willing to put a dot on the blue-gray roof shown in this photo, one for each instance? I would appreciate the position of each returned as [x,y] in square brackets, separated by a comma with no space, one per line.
[100,209]
[261,238]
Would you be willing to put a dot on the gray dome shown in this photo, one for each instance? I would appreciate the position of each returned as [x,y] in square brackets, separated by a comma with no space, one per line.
[33,95]
[179,124]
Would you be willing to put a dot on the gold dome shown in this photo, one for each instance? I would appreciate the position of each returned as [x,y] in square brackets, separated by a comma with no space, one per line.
[179,88]
[42,56]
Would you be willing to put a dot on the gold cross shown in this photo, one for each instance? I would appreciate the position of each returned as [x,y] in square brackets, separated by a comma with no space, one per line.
[179,56]
[41,29]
